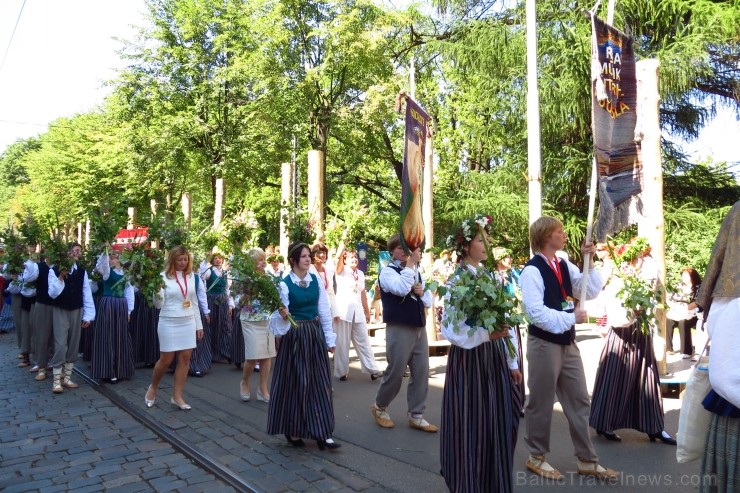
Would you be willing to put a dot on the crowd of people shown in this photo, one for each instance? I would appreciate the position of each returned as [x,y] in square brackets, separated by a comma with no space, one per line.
[60,313]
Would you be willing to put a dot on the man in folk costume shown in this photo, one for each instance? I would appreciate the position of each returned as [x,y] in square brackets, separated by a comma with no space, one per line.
[73,309]
[555,365]
[404,302]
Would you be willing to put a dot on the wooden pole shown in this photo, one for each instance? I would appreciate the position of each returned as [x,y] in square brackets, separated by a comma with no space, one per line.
[652,227]
[533,117]
[286,202]
[316,192]
[218,209]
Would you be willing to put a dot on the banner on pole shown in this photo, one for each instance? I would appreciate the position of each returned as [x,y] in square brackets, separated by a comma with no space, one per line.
[616,140]
[412,178]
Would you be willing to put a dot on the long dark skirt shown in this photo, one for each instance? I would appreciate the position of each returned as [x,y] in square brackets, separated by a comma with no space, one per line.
[143,330]
[200,359]
[88,333]
[112,354]
[627,388]
[221,333]
[237,343]
[476,436]
[301,400]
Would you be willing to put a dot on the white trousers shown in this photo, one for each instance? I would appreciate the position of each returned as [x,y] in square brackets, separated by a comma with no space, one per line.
[356,332]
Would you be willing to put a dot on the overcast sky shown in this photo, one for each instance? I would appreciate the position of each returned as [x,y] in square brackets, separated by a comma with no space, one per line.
[63,51]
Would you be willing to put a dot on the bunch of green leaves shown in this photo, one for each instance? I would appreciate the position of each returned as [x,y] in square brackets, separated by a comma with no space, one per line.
[249,284]
[57,255]
[480,300]
[169,232]
[105,224]
[30,229]
[144,269]
[640,297]
[15,253]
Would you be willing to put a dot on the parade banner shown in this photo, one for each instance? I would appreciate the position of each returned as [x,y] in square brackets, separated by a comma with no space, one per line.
[616,145]
[412,178]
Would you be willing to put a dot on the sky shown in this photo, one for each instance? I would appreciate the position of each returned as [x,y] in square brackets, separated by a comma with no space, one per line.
[63,51]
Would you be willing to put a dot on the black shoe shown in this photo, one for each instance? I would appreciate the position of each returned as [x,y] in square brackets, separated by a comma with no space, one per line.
[609,435]
[376,376]
[296,442]
[659,436]
[343,378]
[329,445]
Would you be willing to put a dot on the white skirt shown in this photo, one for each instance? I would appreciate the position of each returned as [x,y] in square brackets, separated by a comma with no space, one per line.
[176,333]
[259,343]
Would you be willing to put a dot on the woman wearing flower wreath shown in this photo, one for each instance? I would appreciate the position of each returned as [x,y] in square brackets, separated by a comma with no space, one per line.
[627,387]
[179,324]
[478,415]
[221,306]
[301,396]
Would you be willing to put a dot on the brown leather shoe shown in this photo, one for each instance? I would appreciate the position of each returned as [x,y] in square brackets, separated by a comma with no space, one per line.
[538,465]
[382,417]
[24,363]
[596,470]
[423,425]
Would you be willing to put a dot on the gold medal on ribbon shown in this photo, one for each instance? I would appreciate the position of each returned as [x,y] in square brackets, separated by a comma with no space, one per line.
[186,304]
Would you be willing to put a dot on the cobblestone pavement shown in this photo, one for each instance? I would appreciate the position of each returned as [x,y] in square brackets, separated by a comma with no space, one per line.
[83,441]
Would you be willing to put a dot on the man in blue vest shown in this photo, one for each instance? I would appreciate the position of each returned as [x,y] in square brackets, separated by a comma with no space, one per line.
[555,365]
[404,302]
[73,309]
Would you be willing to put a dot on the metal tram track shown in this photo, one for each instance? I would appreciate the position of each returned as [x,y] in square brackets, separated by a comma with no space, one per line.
[200,459]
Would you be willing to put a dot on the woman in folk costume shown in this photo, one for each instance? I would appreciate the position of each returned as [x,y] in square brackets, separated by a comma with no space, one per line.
[179,325]
[200,360]
[221,306]
[719,298]
[478,414]
[626,391]
[301,394]
[112,352]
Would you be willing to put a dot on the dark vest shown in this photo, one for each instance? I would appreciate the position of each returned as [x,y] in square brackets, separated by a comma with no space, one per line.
[42,285]
[114,286]
[71,297]
[553,299]
[304,302]
[407,310]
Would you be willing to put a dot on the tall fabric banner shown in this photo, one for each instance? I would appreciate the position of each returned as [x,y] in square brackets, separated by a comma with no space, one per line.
[412,178]
[616,136]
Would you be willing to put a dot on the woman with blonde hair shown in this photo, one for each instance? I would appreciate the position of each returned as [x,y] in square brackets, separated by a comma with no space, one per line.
[259,343]
[179,324]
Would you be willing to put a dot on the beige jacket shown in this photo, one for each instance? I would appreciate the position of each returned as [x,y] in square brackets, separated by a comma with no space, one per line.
[723,272]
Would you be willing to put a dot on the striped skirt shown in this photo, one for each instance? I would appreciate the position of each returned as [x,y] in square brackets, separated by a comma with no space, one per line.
[143,330]
[237,343]
[627,387]
[88,333]
[6,318]
[301,398]
[200,360]
[220,326]
[478,422]
[720,469]
[112,352]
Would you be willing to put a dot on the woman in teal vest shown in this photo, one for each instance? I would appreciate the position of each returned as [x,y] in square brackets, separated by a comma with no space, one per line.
[221,306]
[112,351]
[300,396]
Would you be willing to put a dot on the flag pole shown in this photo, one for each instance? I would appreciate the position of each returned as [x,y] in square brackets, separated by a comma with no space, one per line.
[594,174]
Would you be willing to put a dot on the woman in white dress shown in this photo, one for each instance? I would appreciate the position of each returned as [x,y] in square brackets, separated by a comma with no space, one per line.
[179,324]
[259,342]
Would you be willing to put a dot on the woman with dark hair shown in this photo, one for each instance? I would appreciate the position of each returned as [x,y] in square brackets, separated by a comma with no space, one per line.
[179,324]
[478,415]
[301,396]
[678,313]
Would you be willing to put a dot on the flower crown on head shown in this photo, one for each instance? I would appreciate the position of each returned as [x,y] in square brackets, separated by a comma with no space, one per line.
[467,231]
